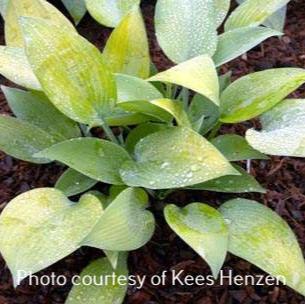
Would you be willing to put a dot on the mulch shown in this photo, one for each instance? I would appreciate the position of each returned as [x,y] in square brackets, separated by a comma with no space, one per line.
[284,177]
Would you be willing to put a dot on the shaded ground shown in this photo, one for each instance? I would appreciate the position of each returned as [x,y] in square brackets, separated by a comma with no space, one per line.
[284,177]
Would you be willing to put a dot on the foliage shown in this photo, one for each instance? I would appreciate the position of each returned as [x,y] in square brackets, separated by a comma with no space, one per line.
[166,135]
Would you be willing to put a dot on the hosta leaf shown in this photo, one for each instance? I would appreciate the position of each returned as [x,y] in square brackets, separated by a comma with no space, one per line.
[173,158]
[186,28]
[72,182]
[140,132]
[198,74]
[42,226]
[35,108]
[15,66]
[21,139]
[70,70]
[243,183]
[109,12]
[113,257]
[253,13]
[283,130]
[125,224]
[76,8]
[126,50]
[3,6]
[222,8]
[111,293]
[203,114]
[237,42]
[146,108]
[236,148]
[204,229]
[276,20]
[260,236]
[102,162]
[163,109]
[30,8]
[256,93]
[132,88]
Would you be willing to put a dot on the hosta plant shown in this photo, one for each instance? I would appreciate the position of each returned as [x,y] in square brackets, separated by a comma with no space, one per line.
[160,133]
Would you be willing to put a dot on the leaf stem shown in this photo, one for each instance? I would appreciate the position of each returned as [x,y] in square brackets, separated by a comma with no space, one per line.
[185,97]
[109,132]
[169,90]
[214,131]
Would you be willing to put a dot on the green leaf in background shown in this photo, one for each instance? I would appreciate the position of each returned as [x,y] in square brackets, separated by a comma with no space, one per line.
[125,224]
[48,226]
[243,183]
[15,66]
[140,132]
[256,93]
[76,8]
[234,43]
[260,236]
[109,12]
[203,114]
[72,182]
[96,158]
[127,50]
[224,81]
[35,108]
[163,109]
[221,8]
[283,130]
[277,20]
[174,158]
[30,8]
[253,13]
[186,28]
[22,140]
[236,148]
[202,228]
[111,293]
[132,88]
[70,70]
[198,74]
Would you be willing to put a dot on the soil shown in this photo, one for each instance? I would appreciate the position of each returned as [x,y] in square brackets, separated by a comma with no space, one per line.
[283,176]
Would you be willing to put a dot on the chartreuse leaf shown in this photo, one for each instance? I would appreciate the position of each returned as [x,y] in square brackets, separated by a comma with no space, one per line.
[22,140]
[173,158]
[109,12]
[221,9]
[30,8]
[140,132]
[260,236]
[15,66]
[76,8]
[204,229]
[234,43]
[72,182]
[131,88]
[126,50]
[203,114]
[283,130]
[198,74]
[243,183]
[35,108]
[48,226]
[163,109]
[253,13]
[256,93]
[236,148]
[102,162]
[276,20]
[70,70]
[186,28]
[111,292]
[125,224]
